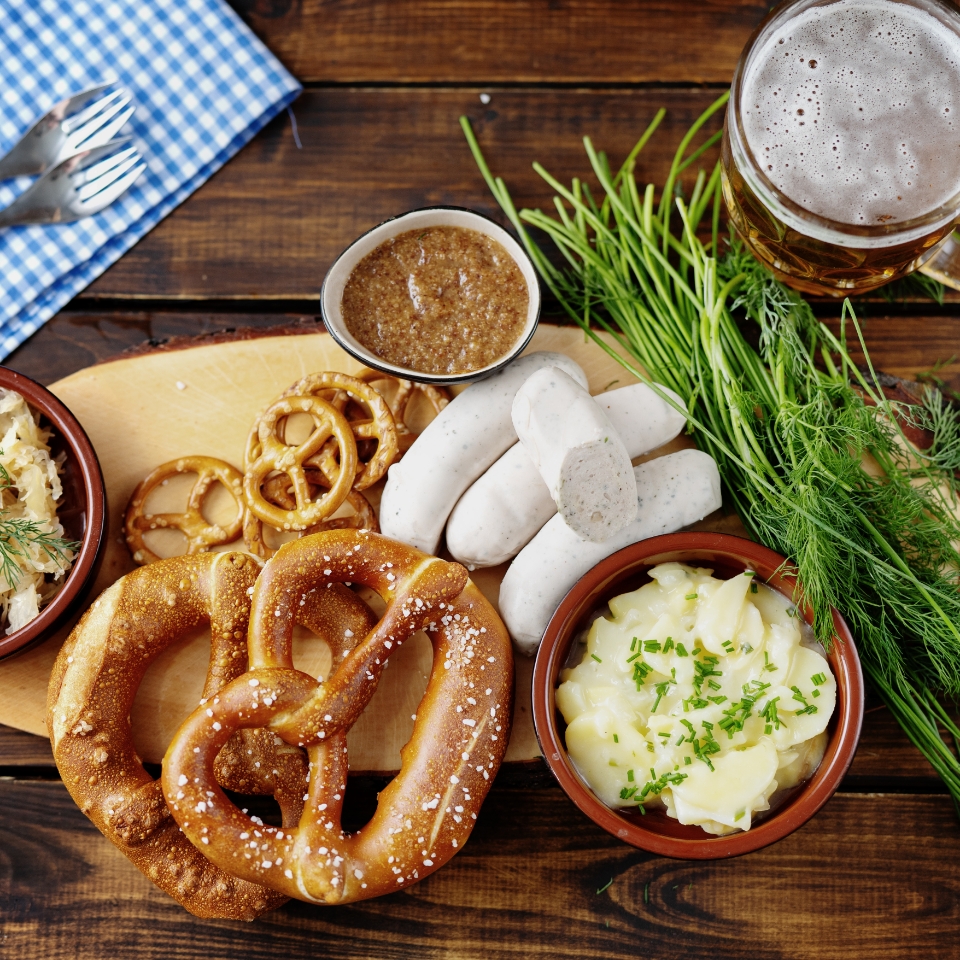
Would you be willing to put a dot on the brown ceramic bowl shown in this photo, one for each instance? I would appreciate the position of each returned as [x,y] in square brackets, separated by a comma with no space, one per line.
[656,832]
[81,509]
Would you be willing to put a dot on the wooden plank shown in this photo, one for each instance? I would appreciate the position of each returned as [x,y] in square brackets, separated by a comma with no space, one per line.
[269,223]
[545,882]
[19,749]
[885,758]
[79,338]
[506,41]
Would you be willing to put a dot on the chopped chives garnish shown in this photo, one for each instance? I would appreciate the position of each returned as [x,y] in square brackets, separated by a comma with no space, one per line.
[753,588]
[819,679]
[651,646]
[639,653]
[682,650]
[630,775]
[800,698]
[767,665]
[769,713]
[690,596]
[616,739]
[816,693]
[696,650]
[668,645]
[633,644]
[595,657]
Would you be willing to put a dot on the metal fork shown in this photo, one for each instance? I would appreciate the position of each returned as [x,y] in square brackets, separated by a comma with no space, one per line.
[78,123]
[78,187]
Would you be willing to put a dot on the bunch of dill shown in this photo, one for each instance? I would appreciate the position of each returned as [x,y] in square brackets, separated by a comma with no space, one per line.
[792,422]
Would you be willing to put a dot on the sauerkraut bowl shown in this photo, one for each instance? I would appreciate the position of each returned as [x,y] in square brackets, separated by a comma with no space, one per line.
[655,827]
[80,510]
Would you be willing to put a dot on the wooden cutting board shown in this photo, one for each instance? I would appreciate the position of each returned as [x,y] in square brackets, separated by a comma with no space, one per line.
[144,409]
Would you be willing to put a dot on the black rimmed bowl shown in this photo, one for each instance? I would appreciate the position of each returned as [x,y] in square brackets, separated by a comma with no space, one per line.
[331,294]
[82,509]
[656,832]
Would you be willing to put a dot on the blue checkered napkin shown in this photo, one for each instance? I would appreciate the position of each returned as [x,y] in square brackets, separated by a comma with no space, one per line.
[203,85]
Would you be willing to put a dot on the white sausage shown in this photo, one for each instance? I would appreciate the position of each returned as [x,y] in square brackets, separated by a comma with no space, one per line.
[469,434]
[673,491]
[505,508]
[580,456]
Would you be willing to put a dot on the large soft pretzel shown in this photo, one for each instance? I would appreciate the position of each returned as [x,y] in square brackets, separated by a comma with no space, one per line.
[427,811]
[92,689]
[268,454]
[200,533]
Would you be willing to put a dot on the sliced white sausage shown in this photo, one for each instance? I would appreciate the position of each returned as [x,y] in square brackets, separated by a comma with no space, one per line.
[468,435]
[579,455]
[504,509]
[672,492]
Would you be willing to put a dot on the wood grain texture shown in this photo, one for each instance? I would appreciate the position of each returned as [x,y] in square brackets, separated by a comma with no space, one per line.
[269,224]
[885,758]
[496,41]
[535,879]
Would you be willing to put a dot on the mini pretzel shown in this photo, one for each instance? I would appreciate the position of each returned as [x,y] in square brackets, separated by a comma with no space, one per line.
[399,403]
[427,811]
[340,389]
[201,535]
[278,490]
[92,689]
[268,454]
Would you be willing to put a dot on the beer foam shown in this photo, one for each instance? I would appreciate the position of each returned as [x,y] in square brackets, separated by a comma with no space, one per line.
[852,110]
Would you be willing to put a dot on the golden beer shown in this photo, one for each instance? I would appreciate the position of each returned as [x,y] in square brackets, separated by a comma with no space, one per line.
[841,148]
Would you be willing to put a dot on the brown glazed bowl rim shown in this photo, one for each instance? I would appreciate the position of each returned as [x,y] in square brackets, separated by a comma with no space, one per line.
[600,584]
[80,575]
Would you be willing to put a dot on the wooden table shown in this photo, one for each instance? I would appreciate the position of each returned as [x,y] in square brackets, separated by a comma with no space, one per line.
[874,874]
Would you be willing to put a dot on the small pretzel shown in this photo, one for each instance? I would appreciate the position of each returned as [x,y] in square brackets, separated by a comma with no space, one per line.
[278,490]
[201,535]
[268,454]
[340,389]
[427,811]
[399,403]
[92,689]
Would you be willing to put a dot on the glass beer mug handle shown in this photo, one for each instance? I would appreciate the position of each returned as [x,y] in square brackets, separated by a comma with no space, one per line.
[945,264]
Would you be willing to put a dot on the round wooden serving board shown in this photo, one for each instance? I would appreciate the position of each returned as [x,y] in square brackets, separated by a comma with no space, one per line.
[144,409]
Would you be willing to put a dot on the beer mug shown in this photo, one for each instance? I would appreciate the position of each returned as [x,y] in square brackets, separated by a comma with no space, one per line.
[841,145]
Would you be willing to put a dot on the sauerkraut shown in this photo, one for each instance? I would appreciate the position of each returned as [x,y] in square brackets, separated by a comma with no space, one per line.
[34,555]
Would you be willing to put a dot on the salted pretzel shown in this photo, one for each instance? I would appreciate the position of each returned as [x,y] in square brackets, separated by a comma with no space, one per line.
[92,689]
[200,533]
[401,398]
[426,813]
[279,490]
[268,455]
[340,389]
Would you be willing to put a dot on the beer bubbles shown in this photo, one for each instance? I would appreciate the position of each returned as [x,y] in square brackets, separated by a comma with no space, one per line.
[850,111]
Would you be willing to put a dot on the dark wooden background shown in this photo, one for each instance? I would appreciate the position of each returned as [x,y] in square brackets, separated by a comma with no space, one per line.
[874,874]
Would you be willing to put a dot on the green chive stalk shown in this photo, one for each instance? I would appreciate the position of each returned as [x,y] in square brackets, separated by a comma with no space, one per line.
[812,454]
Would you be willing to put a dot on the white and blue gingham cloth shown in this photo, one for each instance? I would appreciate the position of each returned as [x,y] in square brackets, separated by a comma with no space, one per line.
[203,86]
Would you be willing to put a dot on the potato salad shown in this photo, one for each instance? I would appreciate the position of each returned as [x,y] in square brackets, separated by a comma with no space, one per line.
[700,695]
